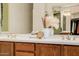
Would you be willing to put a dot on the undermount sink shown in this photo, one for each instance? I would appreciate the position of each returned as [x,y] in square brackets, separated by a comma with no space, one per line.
[7,36]
[71,38]
[3,36]
[24,36]
[17,36]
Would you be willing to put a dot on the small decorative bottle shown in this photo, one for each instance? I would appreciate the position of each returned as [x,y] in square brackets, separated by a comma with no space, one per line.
[46,20]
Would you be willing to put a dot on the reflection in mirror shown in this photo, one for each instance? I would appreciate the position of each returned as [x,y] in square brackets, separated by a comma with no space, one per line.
[68,13]
[57,14]
[64,12]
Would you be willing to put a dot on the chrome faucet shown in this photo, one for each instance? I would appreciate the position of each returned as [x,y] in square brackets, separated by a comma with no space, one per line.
[68,37]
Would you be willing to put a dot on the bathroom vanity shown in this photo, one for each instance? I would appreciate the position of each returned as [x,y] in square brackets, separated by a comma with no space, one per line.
[28,18]
[55,46]
[32,49]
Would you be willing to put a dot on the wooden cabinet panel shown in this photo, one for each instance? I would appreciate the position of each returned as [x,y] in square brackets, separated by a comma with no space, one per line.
[24,46]
[78,28]
[47,50]
[6,49]
[71,50]
[29,49]
[24,49]
[24,54]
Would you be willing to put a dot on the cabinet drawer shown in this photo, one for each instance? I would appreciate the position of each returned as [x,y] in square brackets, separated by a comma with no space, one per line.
[6,49]
[24,46]
[24,54]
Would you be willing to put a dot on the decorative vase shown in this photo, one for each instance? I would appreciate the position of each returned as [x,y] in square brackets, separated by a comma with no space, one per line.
[48,32]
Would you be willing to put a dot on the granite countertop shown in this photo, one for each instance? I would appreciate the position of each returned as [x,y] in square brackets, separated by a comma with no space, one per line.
[55,39]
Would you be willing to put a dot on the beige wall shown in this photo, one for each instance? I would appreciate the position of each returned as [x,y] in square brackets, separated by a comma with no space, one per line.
[20,17]
[38,13]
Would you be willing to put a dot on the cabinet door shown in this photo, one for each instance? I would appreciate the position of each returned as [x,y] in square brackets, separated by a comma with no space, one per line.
[47,50]
[6,49]
[71,50]
[24,49]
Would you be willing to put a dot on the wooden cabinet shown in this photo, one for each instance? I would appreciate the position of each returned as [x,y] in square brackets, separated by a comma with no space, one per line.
[24,53]
[70,50]
[30,49]
[6,49]
[47,50]
[24,49]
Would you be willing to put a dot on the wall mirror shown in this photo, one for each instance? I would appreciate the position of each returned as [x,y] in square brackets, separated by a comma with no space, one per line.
[24,17]
[63,11]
